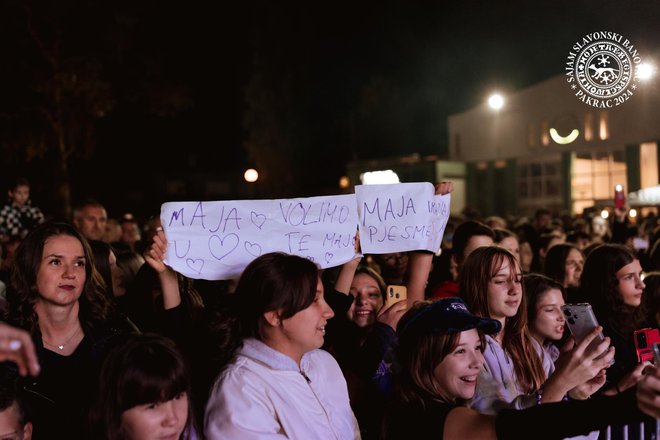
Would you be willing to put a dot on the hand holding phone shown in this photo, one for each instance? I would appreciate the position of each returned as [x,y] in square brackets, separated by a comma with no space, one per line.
[581,321]
[395,293]
[645,339]
[619,197]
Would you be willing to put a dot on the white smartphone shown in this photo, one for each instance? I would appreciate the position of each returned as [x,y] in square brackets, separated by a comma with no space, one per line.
[581,321]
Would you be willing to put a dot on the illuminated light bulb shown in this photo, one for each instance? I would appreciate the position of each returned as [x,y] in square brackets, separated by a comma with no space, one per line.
[251,175]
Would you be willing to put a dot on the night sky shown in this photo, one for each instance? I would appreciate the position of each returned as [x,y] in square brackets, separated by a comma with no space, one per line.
[149,91]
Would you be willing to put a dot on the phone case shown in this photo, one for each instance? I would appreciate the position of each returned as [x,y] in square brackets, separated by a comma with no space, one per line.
[619,198]
[394,294]
[581,321]
[645,339]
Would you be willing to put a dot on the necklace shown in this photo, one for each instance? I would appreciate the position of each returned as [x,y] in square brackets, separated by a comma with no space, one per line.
[61,346]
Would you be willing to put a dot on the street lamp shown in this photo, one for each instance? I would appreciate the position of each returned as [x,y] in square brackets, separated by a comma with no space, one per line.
[496,101]
[645,71]
[251,175]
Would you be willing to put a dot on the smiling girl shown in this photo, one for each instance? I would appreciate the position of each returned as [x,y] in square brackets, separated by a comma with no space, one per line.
[514,374]
[277,383]
[440,355]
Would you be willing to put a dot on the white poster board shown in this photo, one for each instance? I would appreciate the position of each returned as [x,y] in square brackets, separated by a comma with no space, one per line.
[401,217]
[217,240]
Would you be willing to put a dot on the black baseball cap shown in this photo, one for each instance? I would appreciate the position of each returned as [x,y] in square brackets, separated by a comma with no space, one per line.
[446,316]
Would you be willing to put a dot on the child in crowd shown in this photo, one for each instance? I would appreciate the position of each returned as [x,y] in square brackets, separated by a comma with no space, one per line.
[18,216]
[15,421]
[144,393]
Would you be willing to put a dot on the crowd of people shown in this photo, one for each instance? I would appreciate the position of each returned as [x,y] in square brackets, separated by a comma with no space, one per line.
[101,339]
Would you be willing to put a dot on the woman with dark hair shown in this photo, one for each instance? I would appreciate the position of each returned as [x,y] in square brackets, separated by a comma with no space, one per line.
[545,297]
[612,283]
[276,382]
[144,393]
[440,355]
[563,263]
[515,376]
[58,297]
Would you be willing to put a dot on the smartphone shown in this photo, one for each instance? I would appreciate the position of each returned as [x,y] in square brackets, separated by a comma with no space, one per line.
[655,348]
[619,196]
[395,293]
[581,321]
[644,339]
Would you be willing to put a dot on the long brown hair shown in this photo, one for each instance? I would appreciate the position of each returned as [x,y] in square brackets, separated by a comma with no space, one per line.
[477,271]
[94,306]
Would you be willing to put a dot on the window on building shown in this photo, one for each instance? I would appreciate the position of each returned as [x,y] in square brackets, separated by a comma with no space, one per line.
[594,177]
[603,126]
[545,134]
[648,164]
[539,181]
[589,127]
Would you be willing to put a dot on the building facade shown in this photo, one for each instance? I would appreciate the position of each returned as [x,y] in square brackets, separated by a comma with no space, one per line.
[547,149]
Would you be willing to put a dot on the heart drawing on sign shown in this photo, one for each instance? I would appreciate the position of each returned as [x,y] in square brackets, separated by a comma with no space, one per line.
[221,247]
[253,249]
[257,219]
[328,257]
[196,265]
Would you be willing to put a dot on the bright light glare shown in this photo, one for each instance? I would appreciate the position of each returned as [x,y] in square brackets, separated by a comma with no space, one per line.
[604,213]
[618,187]
[645,71]
[632,213]
[379,177]
[563,140]
[496,101]
[251,175]
[344,182]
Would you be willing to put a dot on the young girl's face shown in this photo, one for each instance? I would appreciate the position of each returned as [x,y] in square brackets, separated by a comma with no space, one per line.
[368,300]
[573,267]
[631,285]
[505,291]
[512,245]
[305,331]
[549,321]
[457,374]
[20,195]
[158,420]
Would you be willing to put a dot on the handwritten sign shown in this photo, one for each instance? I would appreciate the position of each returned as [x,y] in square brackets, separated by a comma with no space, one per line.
[401,217]
[217,240]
